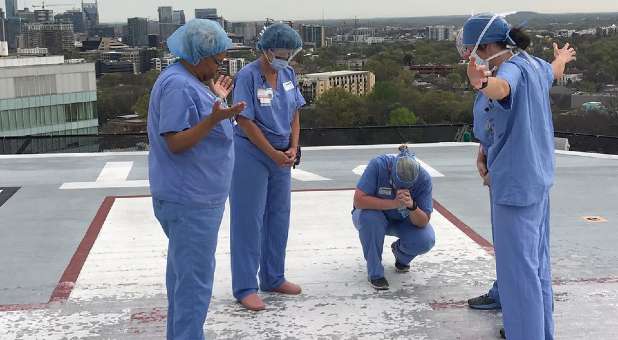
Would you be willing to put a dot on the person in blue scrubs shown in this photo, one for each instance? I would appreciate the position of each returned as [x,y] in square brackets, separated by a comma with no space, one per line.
[513,120]
[393,197]
[190,165]
[266,142]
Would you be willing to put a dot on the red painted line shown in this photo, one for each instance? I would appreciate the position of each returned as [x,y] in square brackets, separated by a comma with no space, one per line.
[69,277]
[476,237]
[448,305]
[17,308]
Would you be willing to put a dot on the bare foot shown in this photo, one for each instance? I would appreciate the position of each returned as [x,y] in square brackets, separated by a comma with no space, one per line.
[253,303]
[288,288]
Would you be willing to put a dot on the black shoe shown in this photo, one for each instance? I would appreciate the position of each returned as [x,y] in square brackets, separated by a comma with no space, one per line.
[379,284]
[502,333]
[399,267]
[484,302]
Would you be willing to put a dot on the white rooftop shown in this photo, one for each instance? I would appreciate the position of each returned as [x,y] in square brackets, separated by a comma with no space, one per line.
[335,73]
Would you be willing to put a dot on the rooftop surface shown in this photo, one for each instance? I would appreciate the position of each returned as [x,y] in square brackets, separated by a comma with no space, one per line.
[334,73]
[81,255]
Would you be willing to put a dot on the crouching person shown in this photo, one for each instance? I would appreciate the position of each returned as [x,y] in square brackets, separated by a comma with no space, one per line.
[393,197]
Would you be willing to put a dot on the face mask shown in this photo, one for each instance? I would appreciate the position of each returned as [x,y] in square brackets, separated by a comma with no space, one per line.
[279,64]
[481,61]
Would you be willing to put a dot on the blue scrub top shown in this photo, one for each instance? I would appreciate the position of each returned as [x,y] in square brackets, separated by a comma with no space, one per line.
[517,133]
[202,174]
[376,182]
[272,115]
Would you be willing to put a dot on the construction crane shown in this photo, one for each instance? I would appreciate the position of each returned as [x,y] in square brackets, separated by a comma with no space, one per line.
[43,5]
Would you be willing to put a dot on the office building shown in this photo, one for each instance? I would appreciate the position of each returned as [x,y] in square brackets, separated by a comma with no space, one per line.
[56,37]
[440,33]
[231,66]
[166,22]
[178,17]
[206,13]
[313,35]
[75,17]
[91,14]
[46,95]
[137,33]
[11,8]
[44,15]
[359,83]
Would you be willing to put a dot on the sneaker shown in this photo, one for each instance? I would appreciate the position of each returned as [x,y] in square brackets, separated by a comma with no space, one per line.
[502,333]
[399,267]
[379,284]
[484,302]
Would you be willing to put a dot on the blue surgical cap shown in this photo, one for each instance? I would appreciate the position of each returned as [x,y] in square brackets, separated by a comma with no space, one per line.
[406,169]
[280,36]
[198,39]
[474,26]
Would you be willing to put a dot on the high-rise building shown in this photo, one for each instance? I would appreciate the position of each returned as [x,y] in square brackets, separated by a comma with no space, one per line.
[75,17]
[153,27]
[247,30]
[43,15]
[439,32]
[166,22]
[178,17]
[56,37]
[313,35]
[45,95]
[206,13]
[11,8]
[91,14]
[137,34]
[25,15]
[4,45]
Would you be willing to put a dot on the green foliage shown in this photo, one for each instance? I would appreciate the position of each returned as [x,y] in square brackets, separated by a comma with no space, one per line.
[402,116]
[119,94]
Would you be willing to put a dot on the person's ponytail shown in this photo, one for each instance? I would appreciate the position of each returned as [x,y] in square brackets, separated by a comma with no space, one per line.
[520,38]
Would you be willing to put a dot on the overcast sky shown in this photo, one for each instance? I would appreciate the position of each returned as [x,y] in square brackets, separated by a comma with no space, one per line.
[243,10]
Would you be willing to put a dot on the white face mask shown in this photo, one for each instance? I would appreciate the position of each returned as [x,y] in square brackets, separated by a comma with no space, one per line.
[481,61]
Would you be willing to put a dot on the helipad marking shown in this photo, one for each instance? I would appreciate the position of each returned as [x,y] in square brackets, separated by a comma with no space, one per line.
[115,172]
[127,260]
[6,193]
[113,175]
[306,176]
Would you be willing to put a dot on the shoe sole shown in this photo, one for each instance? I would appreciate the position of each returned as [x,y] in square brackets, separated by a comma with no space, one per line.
[407,270]
[494,306]
[380,288]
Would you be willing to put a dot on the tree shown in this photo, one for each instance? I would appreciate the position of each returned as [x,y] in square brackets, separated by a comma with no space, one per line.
[402,116]
[337,108]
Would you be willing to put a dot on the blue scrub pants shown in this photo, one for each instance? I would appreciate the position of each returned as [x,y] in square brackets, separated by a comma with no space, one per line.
[373,226]
[494,293]
[521,236]
[260,219]
[192,241]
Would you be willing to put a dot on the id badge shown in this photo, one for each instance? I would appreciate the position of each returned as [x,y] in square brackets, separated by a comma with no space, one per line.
[385,191]
[265,96]
[288,86]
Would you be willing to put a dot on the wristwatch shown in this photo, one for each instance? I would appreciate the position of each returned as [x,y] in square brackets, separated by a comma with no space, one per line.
[414,207]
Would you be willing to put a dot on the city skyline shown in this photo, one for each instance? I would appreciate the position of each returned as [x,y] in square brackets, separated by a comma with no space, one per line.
[114,11]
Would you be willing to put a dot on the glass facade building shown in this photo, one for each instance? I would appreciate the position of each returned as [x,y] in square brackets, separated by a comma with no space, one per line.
[46,96]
